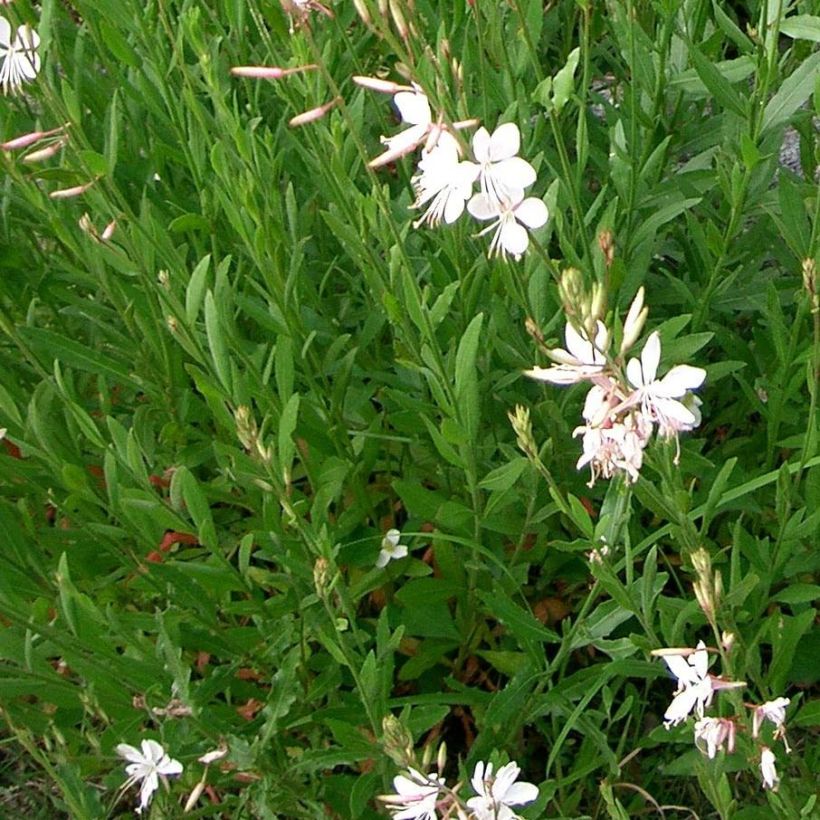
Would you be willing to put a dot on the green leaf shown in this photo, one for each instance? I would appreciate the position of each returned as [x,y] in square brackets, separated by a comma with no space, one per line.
[794,91]
[217,343]
[467,398]
[195,292]
[802,27]
[564,83]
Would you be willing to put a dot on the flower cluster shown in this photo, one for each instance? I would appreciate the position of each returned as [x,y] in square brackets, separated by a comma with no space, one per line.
[20,60]
[696,688]
[421,796]
[444,181]
[623,406]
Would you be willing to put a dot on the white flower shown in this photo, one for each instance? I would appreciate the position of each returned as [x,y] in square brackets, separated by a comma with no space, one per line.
[767,769]
[444,180]
[696,686]
[510,215]
[714,732]
[148,766]
[659,397]
[614,446]
[391,548]
[774,711]
[582,360]
[21,62]
[414,109]
[497,794]
[503,176]
[415,797]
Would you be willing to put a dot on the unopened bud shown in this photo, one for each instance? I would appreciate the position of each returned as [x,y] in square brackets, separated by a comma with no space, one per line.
[261,72]
[441,757]
[108,231]
[397,742]
[246,430]
[314,114]
[727,641]
[68,193]
[47,152]
[164,279]
[634,322]
[399,20]
[363,12]
[320,576]
[377,84]
[25,140]
[194,796]
[86,226]
[522,427]
[572,291]
[810,284]
[607,247]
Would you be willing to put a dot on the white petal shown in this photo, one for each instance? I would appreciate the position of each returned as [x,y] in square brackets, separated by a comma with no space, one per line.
[532,212]
[506,776]
[681,669]
[5,34]
[382,560]
[453,208]
[149,785]
[481,145]
[514,238]
[505,142]
[413,107]
[680,379]
[674,410]
[650,357]
[578,345]
[700,660]
[514,172]
[129,753]
[681,706]
[27,38]
[477,780]
[406,140]
[170,768]
[520,793]
[480,207]
[152,750]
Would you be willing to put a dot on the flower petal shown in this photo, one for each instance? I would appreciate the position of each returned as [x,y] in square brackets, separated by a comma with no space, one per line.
[514,238]
[129,753]
[413,107]
[650,357]
[481,207]
[520,793]
[5,34]
[505,142]
[532,212]
[481,145]
[514,172]
[678,380]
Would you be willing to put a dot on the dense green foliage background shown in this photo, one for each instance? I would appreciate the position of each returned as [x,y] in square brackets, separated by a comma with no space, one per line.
[214,417]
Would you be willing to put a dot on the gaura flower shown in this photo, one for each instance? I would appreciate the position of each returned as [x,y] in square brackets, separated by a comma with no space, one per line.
[391,548]
[512,216]
[21,62]
[614,446]
[415,797]
[715,732]
[148,765]
[696,687]
[497,794]
[775,712]
[768,771]
[414,109]
[503,175]
[582,360]
[444,181]
[659,397]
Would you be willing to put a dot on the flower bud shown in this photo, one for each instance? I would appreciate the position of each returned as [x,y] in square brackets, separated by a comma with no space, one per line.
[377,84]
[634,322]
[313,114]
[68,193]
[397,742]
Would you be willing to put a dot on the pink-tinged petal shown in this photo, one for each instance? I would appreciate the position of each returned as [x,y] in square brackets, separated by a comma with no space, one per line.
[679,379]
[671,409]
[651,357]
[405,141]
[505,142]
[413,107]
[481,145]
[482,208]
[532,212]
[514,238]
[520,793]
[514,172]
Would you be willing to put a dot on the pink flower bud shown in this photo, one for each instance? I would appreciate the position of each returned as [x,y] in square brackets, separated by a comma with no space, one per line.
[261,72]
[383,86]
[68,193]
[314,114]
[47,152]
